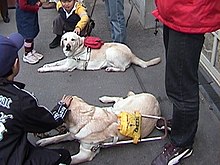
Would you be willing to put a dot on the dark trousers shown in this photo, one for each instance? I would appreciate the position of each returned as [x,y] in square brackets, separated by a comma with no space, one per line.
[65,157]
[44,156]
[4,8]
[60,26]
[182,52]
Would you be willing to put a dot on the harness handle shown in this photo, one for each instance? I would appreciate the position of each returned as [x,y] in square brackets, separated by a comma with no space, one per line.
[93,7]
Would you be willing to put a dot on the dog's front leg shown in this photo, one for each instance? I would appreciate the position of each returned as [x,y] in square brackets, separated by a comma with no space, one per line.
[85,154]
[50,66]
[57,63]
[67,64]
[55,139]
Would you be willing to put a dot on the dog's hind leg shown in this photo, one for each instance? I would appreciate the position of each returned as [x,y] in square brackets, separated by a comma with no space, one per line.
[130,93]
[116,60]
[144,64]
[85,154]
[55,139]
[109,99]
[113,99]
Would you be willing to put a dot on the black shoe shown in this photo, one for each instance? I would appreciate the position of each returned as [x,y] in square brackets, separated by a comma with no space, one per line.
[172,155]
[6,19]
[160,125]
[55,43]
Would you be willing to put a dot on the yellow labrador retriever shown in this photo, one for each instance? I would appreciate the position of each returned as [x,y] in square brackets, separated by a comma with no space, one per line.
[93,125]
[111,56]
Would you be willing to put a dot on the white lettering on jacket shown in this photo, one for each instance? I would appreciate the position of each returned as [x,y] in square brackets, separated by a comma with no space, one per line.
[5,102]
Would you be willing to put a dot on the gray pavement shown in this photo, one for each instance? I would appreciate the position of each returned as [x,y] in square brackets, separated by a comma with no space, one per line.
[90,85]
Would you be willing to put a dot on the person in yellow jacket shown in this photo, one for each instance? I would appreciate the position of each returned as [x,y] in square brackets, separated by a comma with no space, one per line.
[72,17]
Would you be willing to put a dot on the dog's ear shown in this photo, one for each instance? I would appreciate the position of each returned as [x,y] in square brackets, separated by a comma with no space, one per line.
[81,40]
[61,41]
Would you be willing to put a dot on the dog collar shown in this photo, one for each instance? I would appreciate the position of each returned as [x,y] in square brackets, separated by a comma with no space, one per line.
[84,57]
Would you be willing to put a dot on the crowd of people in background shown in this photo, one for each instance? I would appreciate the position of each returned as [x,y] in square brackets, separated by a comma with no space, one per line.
[72,16]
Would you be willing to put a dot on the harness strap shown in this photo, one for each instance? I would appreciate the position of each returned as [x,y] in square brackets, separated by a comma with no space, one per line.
[87,58]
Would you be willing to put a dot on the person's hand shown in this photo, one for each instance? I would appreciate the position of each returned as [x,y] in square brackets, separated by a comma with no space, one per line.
[39,3]
[77,30]
[42,1]
[67,100]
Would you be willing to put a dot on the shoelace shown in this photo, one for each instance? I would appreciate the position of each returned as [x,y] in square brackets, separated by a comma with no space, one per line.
[169,149]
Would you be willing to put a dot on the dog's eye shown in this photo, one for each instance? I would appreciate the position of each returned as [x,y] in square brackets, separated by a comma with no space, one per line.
[65,39]
[72,39]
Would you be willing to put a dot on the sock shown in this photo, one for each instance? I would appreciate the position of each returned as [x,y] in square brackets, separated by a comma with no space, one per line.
[28,45]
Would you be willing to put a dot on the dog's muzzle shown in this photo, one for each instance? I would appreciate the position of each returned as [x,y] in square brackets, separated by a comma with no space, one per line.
[68,47]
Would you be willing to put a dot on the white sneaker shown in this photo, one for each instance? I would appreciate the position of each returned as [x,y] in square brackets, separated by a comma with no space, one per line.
[36,54]
[30,58]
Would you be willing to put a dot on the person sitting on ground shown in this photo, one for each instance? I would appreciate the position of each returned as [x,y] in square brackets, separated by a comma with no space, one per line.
[21,114]
[72,17]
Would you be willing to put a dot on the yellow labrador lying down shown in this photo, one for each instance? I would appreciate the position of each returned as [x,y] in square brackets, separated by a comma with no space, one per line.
[93,125]
[111,56]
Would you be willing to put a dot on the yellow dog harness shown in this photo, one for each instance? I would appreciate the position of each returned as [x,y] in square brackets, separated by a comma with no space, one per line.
[130,125]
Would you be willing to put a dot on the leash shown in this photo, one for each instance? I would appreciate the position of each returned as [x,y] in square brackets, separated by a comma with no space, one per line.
[129,16]
[87,58]
[93,7]
[91,23]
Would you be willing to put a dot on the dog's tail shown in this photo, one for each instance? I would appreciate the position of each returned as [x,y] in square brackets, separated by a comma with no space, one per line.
[145,64]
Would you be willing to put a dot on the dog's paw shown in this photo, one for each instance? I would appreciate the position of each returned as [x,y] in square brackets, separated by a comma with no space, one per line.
[42,142]
[107,99]
[108,69]
[114,69]
[103,99]
[41,69]
[44,68]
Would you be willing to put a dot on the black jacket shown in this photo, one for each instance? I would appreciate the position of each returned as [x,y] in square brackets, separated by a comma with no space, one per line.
[20,114]
[71,21]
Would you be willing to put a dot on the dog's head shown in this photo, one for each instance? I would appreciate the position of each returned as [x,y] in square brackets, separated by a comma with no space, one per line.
[71,42]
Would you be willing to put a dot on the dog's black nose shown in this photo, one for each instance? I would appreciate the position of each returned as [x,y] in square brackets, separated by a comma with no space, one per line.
[68,47]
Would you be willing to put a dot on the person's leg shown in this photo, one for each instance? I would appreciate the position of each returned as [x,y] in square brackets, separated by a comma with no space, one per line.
[182,53]
[165,38]
[28,55]
[181,81]
[65,156]
[44,156]
[115,12]
[4,10]
[58,27]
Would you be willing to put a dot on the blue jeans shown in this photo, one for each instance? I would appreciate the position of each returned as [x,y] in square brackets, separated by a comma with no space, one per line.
[115,12]
[182,52]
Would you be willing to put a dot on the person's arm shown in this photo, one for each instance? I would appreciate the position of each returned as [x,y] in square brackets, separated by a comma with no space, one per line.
[58,5]
[23,5]
[84,18]
[38,119]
